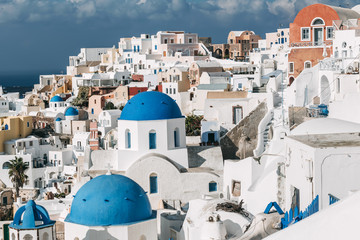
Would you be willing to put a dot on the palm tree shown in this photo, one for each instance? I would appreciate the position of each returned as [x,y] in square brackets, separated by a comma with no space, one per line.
[17,174]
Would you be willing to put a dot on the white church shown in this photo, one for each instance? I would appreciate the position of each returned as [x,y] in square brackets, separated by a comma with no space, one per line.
[152,151]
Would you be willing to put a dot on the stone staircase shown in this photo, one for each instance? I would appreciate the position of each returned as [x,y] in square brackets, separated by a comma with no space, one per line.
[261,89]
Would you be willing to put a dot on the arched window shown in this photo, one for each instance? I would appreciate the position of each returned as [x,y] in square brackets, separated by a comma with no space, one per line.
[6,165]
[6,127]
[127,138]
[212,186]
[152,139]
[307,64]
[13,236]
[282,33]
[153,183]
[45,236]
[176,138]
[318,21]
[28,237]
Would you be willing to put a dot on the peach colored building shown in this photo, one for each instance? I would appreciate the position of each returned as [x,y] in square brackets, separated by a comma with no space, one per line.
[197,68]
[96,105]
[311,36]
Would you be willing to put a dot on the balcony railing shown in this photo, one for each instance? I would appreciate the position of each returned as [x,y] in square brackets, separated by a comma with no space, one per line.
[311,44]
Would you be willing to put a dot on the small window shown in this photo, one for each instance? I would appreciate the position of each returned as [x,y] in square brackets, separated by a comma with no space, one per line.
[236,188]
[174,90]
[291,67]
[305,34]
[239,85]
[176,138]
[329,32]
[338,85]
[212,186]
[190,40]
[152,139]
[307,64]
[155,49]
[318,21]
[28,124]
[127,138]
[153,183]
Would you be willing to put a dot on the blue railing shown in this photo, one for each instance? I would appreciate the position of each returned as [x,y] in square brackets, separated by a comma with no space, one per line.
[292,217]
[332,199]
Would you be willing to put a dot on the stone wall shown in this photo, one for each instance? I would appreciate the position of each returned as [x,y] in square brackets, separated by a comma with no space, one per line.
[240,141]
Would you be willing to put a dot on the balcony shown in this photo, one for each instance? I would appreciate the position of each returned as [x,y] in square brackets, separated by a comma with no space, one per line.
[311,44]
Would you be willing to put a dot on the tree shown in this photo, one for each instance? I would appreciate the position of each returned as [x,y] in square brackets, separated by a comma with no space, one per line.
[82,99]
[193,125]
[17,174]
[109,106]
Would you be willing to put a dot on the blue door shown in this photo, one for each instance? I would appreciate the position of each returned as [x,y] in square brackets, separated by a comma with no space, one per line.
[152,140]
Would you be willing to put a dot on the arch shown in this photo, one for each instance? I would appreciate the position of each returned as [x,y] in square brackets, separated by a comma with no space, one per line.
[152,139]
[127,138]
[176,137]
[282,33]
[307,64]
[218,53]
[28,237]
[13,236]
[76,238]
[45,236]
[291,80]
[153,182]
[226,53]
[52,175]
[142,237]
[6,165]
[212,186]
[317,21]
[325,90]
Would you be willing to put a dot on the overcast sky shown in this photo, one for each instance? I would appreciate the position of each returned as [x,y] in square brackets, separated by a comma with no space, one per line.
[39,35]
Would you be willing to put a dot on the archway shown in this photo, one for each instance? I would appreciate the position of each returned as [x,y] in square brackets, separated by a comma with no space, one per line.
[226,55]
[325,91]
[291,80]
[218,53]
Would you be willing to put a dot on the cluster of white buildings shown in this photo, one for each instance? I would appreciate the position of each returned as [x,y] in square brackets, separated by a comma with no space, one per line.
[110,138]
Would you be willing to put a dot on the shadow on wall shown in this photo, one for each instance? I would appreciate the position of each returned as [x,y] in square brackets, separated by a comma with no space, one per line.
[101,234]
[240,141]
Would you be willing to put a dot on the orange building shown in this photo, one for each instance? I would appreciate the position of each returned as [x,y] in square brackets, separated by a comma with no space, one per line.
[311,36]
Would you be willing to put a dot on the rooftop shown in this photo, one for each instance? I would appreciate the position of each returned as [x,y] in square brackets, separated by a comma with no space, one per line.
[329,140]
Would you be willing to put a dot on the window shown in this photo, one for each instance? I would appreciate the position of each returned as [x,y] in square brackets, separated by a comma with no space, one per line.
[344,54]
[152,139]
[165,41]
[338,85]
[318,21]
[155,49]
[236,188]
[212,186]
[172,40]
[307,64]
[28,124]
[190,40]
[55,156]
[237,114]
[6,165]
[291,67]
[240,85]
[176,138]
[174,90]
[329,32]
[170,90]
[127,138]
[167,90]
[282,33]
[153,183]
[138,48]
[28,237]
[6,127]
[92,111]
[45,236]
[305,34]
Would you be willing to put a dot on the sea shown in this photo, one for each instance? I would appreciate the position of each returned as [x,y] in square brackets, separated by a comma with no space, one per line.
[23,81]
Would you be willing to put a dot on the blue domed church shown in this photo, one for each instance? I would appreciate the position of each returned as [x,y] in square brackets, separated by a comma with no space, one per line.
[152,151]
[111,207]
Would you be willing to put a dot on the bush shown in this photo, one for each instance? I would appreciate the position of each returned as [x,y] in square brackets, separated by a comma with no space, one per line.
[193,125]
[82,99]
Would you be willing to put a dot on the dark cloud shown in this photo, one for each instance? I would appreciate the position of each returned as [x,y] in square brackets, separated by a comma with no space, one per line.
[41,34]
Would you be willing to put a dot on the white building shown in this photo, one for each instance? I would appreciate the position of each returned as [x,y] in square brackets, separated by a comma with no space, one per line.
[107,120]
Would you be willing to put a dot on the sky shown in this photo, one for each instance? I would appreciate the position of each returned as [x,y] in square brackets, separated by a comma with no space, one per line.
[40,35]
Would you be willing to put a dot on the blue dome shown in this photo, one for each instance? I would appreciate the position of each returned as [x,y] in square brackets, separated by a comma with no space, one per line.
[71,112]
[33,216]
[150,106]
[110,200]
[58,120]
[56,99]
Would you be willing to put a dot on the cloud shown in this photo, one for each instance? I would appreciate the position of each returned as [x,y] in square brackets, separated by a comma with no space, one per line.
[286,7]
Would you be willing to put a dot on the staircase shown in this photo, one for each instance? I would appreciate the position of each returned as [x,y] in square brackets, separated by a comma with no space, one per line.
[259,89]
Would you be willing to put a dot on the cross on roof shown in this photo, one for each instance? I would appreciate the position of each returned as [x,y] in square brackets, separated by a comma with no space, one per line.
[108,166]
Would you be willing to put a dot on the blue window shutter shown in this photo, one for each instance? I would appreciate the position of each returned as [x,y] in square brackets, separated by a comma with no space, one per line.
[92,111]
[134,48]
[6,127]
[138,48]
[152,140]
[129,140]
[212,187]
[176,144]
[153,184]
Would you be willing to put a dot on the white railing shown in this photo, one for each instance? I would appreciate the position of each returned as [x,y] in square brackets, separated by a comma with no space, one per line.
[260,148]
[311,44]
